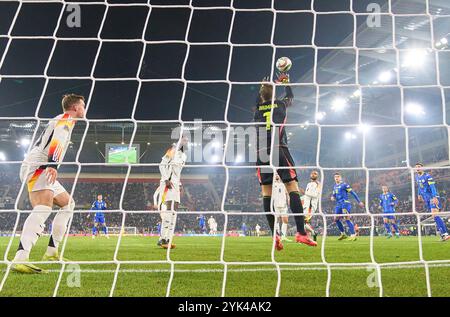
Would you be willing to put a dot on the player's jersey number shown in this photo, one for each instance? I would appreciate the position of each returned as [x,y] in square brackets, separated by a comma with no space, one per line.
[268,116]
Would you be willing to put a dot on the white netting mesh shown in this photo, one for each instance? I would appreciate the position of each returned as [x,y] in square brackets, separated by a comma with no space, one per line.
[326,218]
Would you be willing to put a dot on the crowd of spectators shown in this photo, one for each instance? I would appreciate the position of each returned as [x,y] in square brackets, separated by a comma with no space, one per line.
[243,195]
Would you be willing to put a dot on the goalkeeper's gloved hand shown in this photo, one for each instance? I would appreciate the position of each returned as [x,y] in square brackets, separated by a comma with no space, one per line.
[283,78]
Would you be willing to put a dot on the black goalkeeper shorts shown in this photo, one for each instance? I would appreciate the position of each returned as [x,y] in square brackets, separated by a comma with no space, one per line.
[265,174]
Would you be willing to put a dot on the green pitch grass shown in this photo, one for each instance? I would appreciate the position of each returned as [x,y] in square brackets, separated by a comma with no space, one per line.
[242,280]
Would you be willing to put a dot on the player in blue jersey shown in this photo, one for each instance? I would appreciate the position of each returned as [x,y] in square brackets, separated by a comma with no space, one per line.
[158,227]
[202,224]
[99,205]
[244,229]
[388,201]
[427,192]
[343,206]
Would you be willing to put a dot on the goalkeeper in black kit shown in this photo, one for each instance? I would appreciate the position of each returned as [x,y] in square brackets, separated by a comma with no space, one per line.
[268,111]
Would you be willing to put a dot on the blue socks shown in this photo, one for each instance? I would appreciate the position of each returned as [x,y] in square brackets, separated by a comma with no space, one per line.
[105,230]
[351,228]
[340,226]
[387,225]
[440,225]
[395,227]
[94,230]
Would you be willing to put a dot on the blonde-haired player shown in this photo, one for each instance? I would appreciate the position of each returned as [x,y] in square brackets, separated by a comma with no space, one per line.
[311,201]
[280,204]
[167,195]
[39,172]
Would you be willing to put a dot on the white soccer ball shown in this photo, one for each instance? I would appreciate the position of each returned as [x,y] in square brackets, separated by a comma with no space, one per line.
[284,64]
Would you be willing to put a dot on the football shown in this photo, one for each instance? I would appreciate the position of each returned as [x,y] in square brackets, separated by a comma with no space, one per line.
[284,64]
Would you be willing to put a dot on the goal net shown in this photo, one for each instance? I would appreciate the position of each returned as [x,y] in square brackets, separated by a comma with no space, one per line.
[371,98]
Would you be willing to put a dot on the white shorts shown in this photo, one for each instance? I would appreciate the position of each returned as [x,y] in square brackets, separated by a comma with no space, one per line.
[282,210]
[165,194]
[36,180]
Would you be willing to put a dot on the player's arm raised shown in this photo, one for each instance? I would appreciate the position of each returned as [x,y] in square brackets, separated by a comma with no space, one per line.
[289,95]
[56,148]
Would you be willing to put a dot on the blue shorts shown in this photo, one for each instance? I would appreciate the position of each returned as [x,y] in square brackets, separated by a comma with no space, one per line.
[99,220]
[343,209]
[387,216]
[429,204]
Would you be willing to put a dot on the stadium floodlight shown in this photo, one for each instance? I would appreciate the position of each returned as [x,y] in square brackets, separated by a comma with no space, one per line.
[363,127]
[216,144]
[414,109]
[2,156]
[415,58]
[442,43]
[350,136]
[239,159]
[338,104]
[320,115]
[356,93]
[214,159]
[25,142]
[385,76]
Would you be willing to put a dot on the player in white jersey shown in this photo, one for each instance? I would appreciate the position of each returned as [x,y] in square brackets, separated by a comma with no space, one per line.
[311,201]
[167,195]
[258,229]
[212,225]
[39,172]
[280,204]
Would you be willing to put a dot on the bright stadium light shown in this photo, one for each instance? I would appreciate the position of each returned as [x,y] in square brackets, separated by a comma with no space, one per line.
[363,127]
[2,156]
[239,159]
[414,109]
[350,136]
[442,43]
[216,144]
[25,142]
[320,115]
[415,58]
[356,93]
[215,158]
[385,76]
[338,104]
